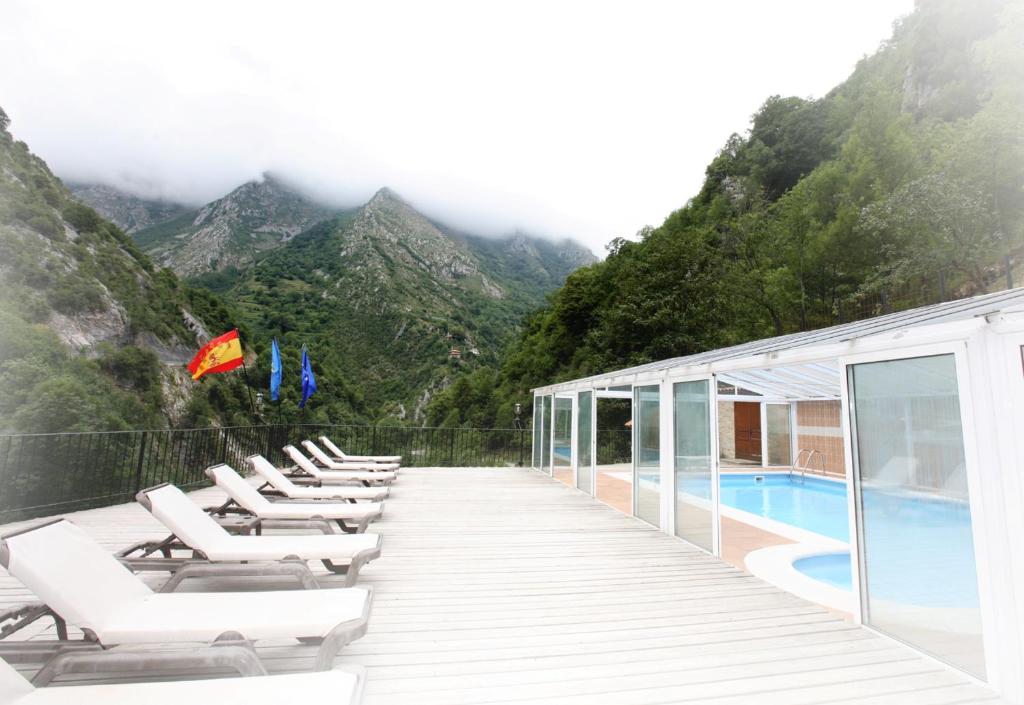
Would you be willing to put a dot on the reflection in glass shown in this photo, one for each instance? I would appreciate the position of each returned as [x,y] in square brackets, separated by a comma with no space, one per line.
[691,410]
[584,456]
[918,576]
[545,449]
[538,432]
[647,453]
[562,459]
[779,445]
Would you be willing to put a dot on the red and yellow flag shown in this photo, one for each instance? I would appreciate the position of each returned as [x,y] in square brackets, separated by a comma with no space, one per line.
[221,354]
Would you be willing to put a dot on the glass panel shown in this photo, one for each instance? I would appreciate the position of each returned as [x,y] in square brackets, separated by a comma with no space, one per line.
[779,445]
[584,457]
[691,407]
[538,431]
[918,576]
[545,449]
[647,453]
[563,440]
[613,474]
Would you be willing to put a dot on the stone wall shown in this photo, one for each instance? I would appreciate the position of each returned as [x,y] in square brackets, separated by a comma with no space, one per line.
[726,430]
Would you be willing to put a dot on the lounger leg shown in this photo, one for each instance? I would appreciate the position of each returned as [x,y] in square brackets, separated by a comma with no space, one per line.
[230,651]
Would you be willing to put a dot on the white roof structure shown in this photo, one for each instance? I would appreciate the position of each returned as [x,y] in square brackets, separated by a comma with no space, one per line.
[802,364]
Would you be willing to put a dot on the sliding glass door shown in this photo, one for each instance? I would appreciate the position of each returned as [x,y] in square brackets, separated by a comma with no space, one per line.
[691,409]
[584,438]
[917,569]
[562,447]
[545,451]
[647,453]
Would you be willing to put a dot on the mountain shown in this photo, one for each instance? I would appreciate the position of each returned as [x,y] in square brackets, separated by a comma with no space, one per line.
[92,335]
[902,186]
[128,212]
[381,295]
[231,232]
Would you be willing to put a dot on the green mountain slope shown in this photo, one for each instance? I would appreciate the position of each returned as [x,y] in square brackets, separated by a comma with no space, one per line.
[902,185]
[231,232]
[92,336]
[382,294]
[129,212]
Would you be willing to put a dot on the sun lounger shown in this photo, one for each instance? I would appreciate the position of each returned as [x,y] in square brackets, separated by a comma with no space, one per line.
[339,686]
[339,454]
[332,477]
[87,587]
[280,484]
[351,518]
[195,530]
[323,459]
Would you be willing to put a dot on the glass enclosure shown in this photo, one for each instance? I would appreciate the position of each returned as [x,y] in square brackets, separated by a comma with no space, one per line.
[545,450]
[538,431]
[562,460]
[647,453]
[691,409]
[918,576]
[584,436]
[780,447]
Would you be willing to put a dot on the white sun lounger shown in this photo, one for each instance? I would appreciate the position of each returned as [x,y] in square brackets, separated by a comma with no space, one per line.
[341,455]
[87,587]
[194,529]
[332,477]
[282,485]
[341,686]
[351,518]
[323,459]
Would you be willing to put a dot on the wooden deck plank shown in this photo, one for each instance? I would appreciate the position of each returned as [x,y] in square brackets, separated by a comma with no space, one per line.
[504,586]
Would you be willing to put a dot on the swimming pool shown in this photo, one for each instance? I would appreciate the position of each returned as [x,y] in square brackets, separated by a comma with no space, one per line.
[922,549]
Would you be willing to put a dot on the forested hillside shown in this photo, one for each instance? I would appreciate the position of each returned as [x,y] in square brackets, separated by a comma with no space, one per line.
[381,296]
[92,335]
[902,185]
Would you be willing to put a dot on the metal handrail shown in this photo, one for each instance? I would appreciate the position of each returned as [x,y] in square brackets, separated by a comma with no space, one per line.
[811,452]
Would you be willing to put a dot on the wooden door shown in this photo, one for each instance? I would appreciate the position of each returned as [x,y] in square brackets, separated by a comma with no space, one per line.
[747,416]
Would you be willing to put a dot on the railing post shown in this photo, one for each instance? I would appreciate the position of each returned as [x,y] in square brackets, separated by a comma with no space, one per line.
[451,448]
[522,437]
[138,465]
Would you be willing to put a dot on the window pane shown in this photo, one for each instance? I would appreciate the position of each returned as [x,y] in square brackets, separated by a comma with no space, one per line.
[562,459]
[538,433]
[647,453]
[584,463]
[691,406]
[545,450]
[918,576]
[779,447]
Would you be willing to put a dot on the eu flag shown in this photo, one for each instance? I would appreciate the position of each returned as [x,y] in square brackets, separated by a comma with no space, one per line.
[308,380]
[275,370]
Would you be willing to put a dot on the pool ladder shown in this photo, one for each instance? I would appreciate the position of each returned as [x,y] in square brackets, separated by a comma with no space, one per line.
[810,454]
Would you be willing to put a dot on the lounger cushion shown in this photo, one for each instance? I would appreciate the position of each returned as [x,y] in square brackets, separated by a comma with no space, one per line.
[247,496]
[326,461]
[306,465]
[280,482]
[198,530]
[73,574]
[338,687]
[203,616]
[339,453]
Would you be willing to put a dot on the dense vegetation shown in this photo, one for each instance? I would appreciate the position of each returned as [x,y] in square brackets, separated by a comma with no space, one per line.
[84,314]
[902,185]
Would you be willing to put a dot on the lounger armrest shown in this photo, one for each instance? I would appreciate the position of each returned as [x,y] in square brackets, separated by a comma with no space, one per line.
[224,510]
[232,653]
[243,526]
[17,618]
[343,634]
[292,567]
[321,525]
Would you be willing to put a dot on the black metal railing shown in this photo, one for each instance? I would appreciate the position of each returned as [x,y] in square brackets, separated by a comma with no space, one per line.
[52,473]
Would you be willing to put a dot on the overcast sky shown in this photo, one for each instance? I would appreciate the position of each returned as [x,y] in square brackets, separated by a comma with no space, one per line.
[578,119]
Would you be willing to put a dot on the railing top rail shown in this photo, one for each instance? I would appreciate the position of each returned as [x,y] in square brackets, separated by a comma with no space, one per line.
[235,428]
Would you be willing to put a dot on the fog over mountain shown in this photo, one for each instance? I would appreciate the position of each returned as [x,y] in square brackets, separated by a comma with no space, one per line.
[576,120]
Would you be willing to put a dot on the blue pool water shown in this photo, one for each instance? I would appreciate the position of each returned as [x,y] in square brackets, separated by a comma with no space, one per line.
[920,549]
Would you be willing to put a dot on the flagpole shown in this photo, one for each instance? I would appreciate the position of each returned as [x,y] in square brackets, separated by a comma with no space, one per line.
[245,371]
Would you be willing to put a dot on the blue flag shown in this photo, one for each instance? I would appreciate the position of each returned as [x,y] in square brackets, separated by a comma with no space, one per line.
[275,370]
[308,380]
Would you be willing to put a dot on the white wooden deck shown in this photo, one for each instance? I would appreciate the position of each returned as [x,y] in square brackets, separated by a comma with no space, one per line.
[504,586]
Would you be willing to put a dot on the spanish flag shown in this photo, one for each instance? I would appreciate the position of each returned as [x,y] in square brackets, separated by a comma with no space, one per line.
[221,354]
